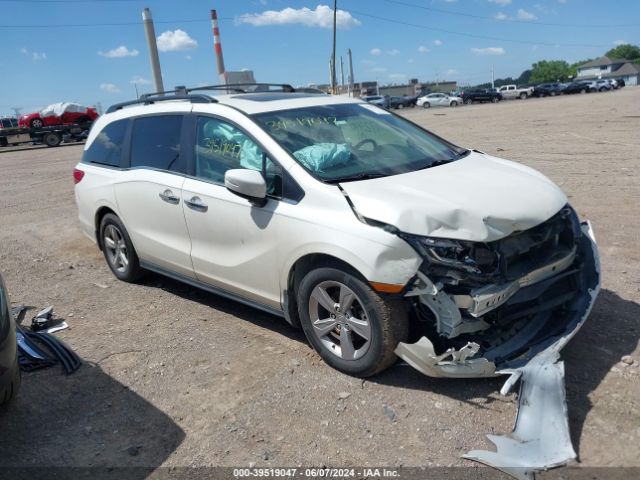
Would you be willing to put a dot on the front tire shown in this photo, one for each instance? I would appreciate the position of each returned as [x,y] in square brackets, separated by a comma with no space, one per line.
[351,327]
[118,250]
[454,104]
[426,105]
[37,123]
[523,96]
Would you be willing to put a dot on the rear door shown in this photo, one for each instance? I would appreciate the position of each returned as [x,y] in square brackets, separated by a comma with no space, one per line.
[149,193]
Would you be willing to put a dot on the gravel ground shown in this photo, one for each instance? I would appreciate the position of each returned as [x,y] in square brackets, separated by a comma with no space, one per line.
[178,377]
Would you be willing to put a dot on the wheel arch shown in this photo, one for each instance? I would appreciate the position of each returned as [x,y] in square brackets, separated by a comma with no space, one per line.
[100,213]
[299,269]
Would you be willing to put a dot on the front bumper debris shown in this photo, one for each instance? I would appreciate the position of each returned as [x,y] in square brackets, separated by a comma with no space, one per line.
[540,439]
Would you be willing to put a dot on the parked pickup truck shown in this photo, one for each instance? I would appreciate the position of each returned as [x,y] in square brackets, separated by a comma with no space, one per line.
[510,92]
[481,96]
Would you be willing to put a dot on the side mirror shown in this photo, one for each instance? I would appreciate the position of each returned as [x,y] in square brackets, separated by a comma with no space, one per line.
[247,184]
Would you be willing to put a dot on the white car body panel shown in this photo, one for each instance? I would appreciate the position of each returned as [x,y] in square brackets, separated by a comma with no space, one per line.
[453,200]
[232,241]
[157,229]
[93,192]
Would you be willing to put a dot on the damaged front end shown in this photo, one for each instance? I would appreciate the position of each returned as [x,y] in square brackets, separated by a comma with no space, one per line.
[482,308]
[507,308]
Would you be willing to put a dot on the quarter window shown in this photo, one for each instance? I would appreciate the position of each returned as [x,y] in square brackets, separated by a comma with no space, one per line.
[106,149]
[156,143]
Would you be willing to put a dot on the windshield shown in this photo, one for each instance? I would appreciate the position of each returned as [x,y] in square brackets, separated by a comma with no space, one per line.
[355,141]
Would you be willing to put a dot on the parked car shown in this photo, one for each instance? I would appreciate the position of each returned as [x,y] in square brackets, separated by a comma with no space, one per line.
[401,102]
[9,368]
[438,100]
[593,87]
[380,100]
[548,89]
[621,82]
[577,87]
[603,85]
[510,92]
[481,96]
[374,235]
[65,113]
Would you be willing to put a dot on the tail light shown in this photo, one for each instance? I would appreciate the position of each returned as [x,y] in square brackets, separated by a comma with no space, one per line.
[78,175]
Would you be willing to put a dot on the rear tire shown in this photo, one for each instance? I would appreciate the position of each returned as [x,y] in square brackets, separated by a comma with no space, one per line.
[118,250]
[468,101]
[338,311]
[52,139]
[495,100]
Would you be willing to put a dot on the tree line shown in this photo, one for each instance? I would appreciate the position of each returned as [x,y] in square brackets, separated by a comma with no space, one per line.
[559,70]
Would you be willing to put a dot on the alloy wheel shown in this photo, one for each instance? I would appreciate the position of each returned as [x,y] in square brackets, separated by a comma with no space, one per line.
[339,320]
[116,248]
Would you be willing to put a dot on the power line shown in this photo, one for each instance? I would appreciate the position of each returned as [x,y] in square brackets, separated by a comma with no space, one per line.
[71,1]
[112,24]
[512,20]
[472,35]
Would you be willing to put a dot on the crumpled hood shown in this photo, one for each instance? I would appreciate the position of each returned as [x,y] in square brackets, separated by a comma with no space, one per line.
[478,198]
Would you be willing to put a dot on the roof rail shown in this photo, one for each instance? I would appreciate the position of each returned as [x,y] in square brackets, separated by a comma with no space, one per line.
[246,87]
[184,93]
[180,93]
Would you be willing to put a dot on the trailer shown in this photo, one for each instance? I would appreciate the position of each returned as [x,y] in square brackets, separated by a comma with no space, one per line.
[50,136]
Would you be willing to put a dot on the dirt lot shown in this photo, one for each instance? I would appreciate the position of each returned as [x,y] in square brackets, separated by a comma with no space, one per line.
[177,377]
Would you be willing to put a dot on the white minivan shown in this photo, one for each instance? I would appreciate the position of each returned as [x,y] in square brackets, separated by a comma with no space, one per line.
[377,237]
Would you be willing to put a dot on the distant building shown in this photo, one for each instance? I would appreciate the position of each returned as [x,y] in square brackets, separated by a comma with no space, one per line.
[411,89]
[605,67]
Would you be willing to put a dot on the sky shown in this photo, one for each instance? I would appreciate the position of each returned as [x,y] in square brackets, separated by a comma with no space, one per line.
[95,50]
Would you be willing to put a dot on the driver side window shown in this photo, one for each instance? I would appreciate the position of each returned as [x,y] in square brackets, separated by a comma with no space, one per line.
[221,146]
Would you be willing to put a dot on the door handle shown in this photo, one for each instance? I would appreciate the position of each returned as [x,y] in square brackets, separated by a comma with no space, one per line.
[169,197]
[196,204]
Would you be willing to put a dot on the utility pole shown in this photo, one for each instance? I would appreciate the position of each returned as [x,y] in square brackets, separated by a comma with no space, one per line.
[341,75]
[350,71]
[153,49]
[334,80]
[492,79]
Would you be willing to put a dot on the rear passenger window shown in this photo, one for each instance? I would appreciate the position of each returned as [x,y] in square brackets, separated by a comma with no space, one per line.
[155,143]
[106,149]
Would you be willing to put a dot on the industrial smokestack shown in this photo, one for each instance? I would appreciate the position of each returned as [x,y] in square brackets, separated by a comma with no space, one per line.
[153,49]
[217,46]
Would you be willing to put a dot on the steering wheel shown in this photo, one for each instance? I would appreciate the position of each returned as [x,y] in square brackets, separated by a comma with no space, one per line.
[364,142]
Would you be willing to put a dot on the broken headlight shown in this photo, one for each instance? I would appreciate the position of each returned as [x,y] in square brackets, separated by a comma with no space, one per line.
[471,257]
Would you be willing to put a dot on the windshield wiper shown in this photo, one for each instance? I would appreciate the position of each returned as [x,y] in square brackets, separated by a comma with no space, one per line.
[359,176]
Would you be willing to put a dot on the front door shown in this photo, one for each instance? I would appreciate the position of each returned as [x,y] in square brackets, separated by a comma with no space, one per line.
[233,243]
